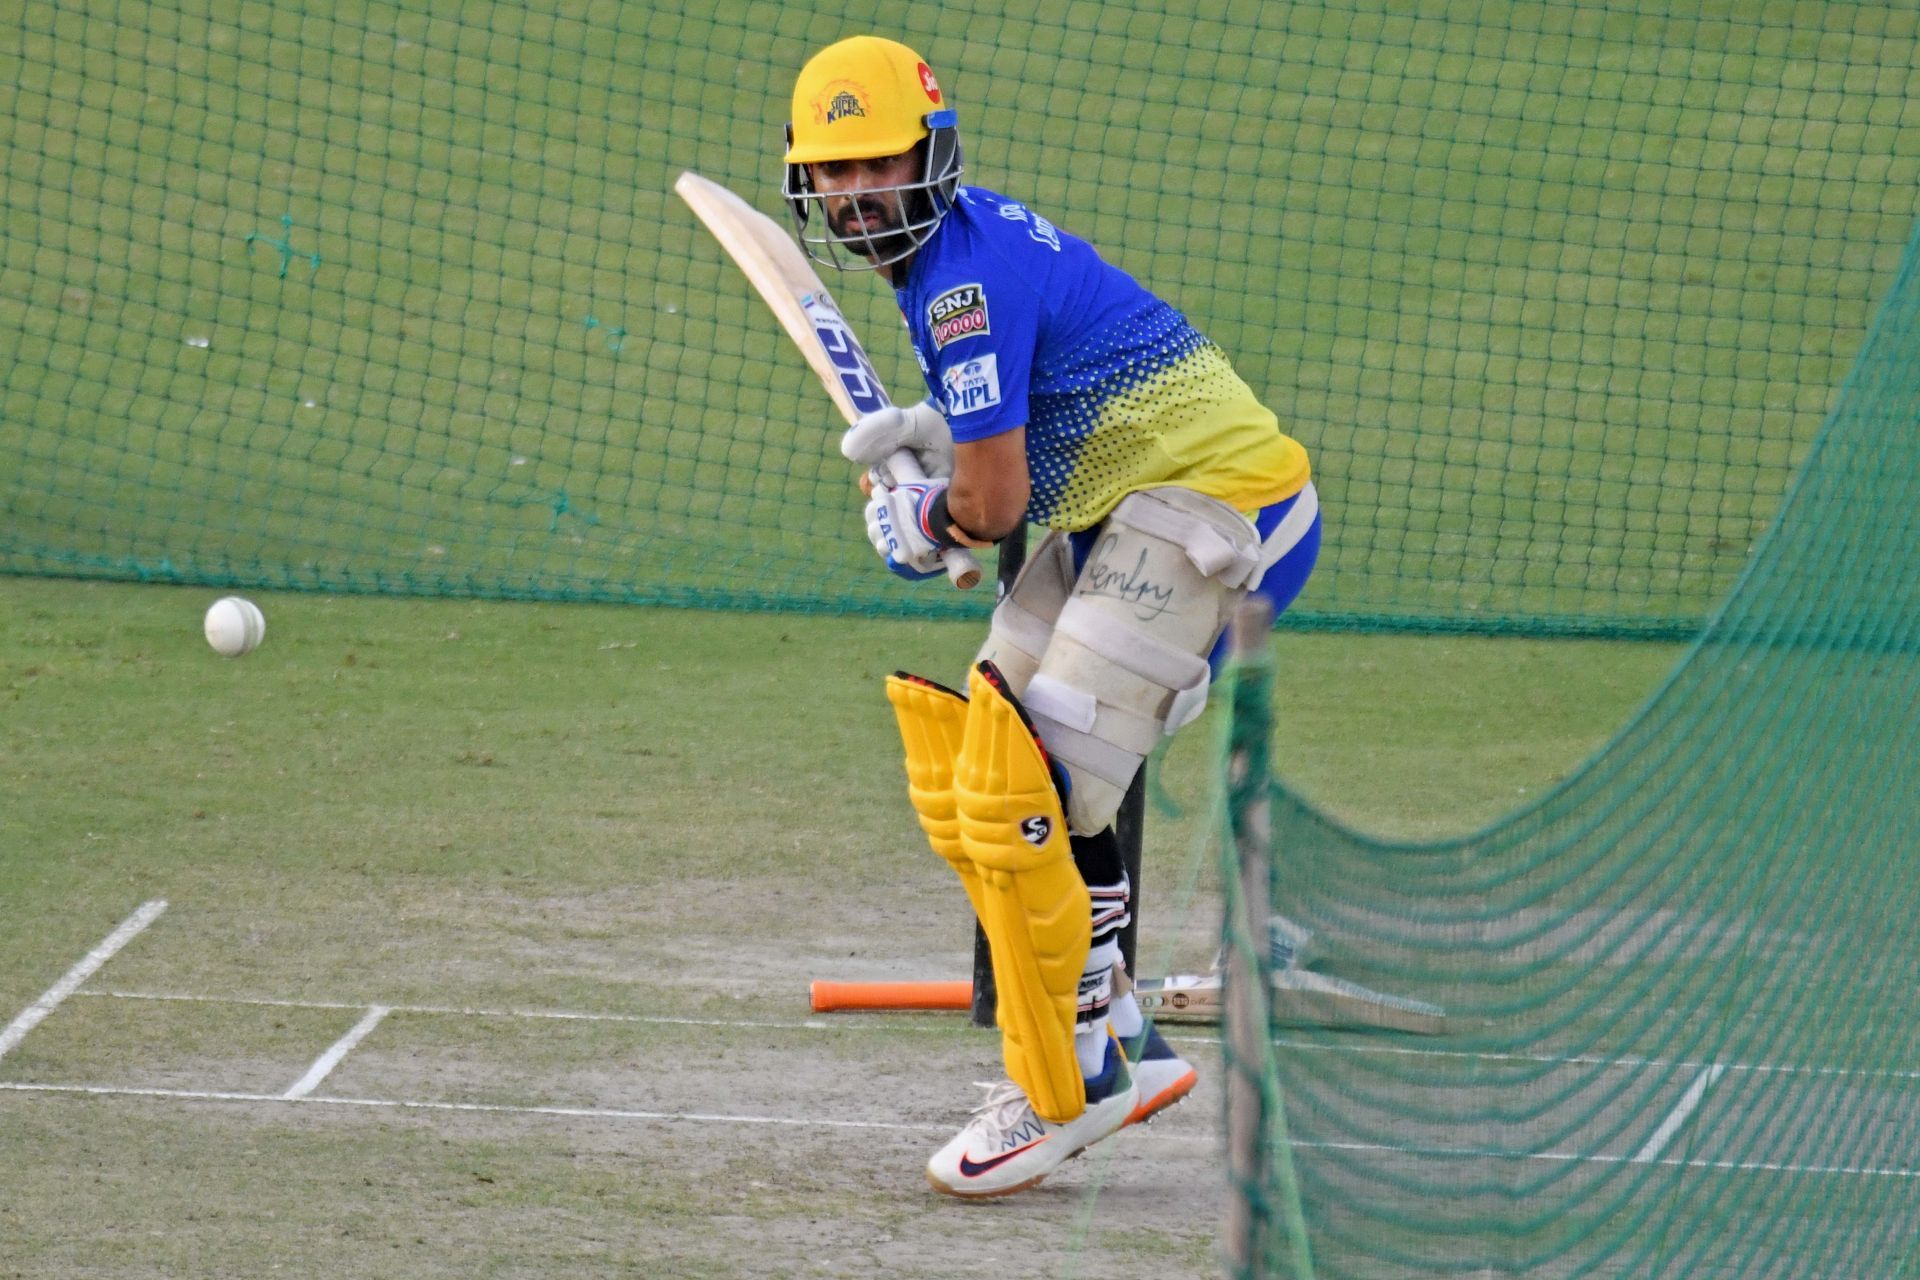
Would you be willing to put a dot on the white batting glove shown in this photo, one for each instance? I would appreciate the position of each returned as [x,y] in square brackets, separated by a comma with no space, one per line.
[917,428]
[897,527]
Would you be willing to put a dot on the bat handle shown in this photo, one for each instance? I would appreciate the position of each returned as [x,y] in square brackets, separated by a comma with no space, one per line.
[962,568]
[901,467]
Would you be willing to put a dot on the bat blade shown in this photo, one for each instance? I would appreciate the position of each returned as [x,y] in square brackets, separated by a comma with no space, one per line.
[787,283]
[849,359]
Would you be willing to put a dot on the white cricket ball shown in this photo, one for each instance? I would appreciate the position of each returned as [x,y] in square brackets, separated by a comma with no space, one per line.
[235,626]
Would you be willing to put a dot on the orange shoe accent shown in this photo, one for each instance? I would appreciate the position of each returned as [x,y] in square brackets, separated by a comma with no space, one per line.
[1164,1096]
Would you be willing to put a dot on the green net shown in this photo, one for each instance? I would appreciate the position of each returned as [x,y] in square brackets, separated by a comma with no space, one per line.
[377,297]
[1680,1032]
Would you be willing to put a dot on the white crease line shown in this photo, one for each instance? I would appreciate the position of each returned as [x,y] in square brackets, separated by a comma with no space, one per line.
[455,1011]
[1580,1157]
[36,1013]
[801,1122]
[490,1108]
[1570,1060]
[323,1065]
[1682,1111]
[1174,1031]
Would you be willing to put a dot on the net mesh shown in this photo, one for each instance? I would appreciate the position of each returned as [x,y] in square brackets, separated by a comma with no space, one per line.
[379,297]
[1679,991]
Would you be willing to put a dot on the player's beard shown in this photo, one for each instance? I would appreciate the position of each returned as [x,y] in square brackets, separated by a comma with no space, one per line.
[880,243]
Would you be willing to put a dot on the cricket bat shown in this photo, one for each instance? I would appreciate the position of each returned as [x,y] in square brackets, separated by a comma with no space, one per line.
[780,272]
[1300,998]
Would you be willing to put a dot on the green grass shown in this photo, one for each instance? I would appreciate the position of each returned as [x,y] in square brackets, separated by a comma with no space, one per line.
[351,297]
[341,302]
[634,813]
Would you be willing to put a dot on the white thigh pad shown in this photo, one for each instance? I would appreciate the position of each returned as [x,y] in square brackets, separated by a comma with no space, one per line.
[1128,658]
[1023,621]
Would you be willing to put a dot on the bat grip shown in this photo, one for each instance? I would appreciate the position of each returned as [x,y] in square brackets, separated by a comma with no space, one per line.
[901,467]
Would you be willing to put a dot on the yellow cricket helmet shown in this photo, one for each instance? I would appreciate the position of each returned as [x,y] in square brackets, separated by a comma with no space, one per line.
[867,98]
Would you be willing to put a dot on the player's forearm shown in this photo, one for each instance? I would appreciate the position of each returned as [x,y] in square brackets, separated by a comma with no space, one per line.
[988,498]
[987,512]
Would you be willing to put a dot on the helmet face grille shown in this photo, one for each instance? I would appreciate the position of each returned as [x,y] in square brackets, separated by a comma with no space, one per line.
[920,206]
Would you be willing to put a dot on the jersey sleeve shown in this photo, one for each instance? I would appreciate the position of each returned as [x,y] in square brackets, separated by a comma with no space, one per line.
[983,326]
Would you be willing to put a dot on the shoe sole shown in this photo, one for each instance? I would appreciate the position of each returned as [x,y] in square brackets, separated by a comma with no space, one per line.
[1016,1189]
[1038,1178]
[1148,1108]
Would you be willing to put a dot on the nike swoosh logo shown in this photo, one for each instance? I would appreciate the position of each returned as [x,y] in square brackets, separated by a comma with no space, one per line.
[970,1168]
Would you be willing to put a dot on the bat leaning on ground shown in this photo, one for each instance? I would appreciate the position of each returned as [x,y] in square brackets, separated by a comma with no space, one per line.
[1300,998]
[779,271]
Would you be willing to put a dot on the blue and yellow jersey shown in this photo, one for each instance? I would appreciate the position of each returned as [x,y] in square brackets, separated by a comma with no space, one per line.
[1016,323]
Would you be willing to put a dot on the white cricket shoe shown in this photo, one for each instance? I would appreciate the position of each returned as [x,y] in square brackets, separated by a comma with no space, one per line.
[1163,1075]
[1006,1147]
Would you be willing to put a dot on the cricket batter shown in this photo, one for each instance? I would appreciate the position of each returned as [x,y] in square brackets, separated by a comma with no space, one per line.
[1065,394]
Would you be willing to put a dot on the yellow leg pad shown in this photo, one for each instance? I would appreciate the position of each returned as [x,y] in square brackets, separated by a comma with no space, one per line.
[1033,904]
[932,720]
